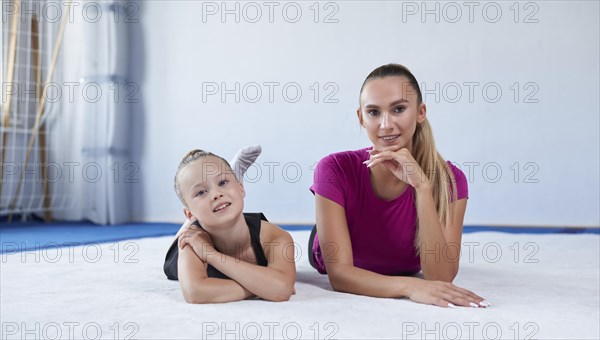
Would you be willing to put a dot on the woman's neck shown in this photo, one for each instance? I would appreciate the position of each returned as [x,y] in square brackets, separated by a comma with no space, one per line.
[385,184]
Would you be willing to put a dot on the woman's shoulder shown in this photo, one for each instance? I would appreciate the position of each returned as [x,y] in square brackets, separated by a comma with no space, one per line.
[458,173]
[346,157]
[460,179]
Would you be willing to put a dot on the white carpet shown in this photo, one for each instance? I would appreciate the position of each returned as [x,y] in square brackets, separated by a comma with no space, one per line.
[65,294]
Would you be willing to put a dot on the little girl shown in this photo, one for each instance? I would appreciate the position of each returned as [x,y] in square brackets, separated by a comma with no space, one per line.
[222,254]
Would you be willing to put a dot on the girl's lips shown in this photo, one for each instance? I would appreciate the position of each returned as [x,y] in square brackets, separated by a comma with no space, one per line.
[222,207]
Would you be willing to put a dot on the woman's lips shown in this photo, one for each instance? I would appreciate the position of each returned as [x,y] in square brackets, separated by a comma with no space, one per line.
[389,138]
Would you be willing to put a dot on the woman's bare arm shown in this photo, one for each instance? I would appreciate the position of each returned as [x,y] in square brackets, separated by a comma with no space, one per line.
[439,247]
[336,247]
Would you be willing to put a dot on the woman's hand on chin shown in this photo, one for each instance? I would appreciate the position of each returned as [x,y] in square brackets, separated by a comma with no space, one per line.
[400,163]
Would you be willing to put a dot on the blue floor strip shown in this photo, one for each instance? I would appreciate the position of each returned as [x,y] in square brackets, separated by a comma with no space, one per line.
[16,237]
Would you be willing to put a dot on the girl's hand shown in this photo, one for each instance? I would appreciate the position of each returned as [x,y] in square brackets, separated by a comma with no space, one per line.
[401,163]
[444,294]
[186,225]
[200,241]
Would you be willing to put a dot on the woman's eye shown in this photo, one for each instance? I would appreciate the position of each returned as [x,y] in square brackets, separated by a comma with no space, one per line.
[373,112]
[223,182]
[399,109]
[201,193]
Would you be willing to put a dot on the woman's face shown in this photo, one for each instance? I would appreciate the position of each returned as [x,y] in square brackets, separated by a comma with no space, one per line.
[212,193]
[389,111]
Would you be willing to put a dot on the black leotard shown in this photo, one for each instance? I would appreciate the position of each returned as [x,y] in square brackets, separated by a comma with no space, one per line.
[252,220]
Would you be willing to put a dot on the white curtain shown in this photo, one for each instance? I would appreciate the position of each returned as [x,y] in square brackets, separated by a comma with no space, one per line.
[91,132]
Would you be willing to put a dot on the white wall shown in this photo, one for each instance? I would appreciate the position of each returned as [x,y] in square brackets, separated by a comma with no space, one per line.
[178,46]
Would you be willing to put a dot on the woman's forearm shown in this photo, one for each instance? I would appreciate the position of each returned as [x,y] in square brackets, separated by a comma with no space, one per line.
[435,263]
[351,279]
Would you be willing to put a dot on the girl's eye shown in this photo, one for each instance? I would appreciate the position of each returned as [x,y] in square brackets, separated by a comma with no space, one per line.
[372,112]
[223,182]
[399,109]
[201,193]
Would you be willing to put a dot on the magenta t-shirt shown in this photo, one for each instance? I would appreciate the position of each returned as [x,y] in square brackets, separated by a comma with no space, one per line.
[382,232]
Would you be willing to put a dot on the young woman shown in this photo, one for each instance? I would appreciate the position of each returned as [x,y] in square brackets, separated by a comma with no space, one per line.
[387,212]
[223,254]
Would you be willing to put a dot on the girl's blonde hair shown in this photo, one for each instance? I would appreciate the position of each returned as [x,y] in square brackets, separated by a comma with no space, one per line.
[187,159]
[431,162]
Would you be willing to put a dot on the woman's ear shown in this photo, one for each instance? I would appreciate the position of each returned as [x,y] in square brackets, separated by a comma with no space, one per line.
[422,113]
[360,118]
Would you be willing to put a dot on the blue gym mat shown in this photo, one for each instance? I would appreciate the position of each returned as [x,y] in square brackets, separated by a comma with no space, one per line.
[17,236]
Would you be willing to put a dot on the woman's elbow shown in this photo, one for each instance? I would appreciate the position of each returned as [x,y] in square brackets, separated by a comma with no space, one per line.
[336,279]
[452,273]
[447,276]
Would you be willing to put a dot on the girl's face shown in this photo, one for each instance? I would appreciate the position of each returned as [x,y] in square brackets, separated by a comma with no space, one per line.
[389,111]
[212,193]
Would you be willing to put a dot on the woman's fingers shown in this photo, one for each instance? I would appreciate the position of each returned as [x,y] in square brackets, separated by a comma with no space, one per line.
[464,297]
[372,163]
[389,155]
[460,300]
[472,296]
[445,294]
[381,157]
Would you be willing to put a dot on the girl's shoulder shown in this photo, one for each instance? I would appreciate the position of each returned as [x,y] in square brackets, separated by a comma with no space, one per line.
[270,232]
[274,239]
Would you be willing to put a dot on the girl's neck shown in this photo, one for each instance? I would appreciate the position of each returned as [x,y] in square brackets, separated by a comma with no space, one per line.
[231,238]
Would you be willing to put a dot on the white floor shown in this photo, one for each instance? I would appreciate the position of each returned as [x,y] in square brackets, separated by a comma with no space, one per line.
[541,287]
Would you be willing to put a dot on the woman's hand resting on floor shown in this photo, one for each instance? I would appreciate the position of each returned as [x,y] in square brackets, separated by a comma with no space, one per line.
[443,294]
